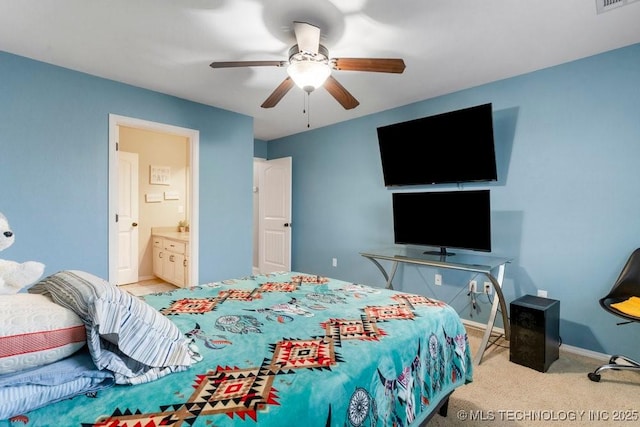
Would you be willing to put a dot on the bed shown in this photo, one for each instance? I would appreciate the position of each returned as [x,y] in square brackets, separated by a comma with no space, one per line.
[270,350]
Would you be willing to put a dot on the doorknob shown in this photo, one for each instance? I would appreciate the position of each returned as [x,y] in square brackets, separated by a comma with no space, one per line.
[135,224]
[287,224]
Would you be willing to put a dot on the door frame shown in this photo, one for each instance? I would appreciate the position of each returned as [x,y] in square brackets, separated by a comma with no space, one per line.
[193,138]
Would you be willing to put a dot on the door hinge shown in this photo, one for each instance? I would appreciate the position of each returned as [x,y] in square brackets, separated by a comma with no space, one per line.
[117,218]
[117,146]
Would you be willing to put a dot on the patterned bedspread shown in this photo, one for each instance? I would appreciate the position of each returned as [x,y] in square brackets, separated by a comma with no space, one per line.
[290,349]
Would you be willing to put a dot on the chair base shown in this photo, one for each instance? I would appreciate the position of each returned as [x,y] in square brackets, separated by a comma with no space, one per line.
[631,365]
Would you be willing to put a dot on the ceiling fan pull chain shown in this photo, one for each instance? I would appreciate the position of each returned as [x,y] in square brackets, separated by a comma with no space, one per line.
[308,110]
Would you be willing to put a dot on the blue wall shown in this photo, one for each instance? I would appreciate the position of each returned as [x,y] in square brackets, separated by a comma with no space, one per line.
[54,167]
[566,206]
[260,148]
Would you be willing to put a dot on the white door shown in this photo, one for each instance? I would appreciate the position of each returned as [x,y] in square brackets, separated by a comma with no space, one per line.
[127,217]
[275,216]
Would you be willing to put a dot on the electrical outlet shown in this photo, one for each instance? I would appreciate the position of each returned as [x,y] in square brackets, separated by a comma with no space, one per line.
[542,293]
[334,262]
[473,286]
[488,288]
[438,279]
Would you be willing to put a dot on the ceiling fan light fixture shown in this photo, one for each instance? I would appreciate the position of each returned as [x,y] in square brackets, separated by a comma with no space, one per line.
[308,75]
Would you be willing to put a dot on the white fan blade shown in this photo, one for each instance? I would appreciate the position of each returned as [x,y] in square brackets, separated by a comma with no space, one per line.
[307,36]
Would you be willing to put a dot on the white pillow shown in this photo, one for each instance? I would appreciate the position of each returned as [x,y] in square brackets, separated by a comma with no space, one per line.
[35,331]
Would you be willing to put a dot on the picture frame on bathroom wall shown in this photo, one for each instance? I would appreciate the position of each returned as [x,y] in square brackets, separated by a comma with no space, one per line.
[160,175]
[171,195]
[153,197]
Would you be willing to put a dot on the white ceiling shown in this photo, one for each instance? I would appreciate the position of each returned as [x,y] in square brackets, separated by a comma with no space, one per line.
[447,45]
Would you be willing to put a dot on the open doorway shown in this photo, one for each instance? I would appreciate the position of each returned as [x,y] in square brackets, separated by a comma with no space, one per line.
[187,200]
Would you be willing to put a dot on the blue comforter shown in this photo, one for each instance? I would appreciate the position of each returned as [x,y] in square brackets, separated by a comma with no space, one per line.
[291,349]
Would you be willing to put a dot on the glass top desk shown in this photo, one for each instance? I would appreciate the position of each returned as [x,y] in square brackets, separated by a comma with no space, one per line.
[466,262]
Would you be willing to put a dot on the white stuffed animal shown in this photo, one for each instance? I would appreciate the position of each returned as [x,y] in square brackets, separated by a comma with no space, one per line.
[14,276]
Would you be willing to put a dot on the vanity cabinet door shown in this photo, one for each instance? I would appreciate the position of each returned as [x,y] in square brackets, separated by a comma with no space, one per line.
[158,255]
[170,260]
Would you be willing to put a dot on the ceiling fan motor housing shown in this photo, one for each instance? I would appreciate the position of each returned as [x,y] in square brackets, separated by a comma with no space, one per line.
[296,54]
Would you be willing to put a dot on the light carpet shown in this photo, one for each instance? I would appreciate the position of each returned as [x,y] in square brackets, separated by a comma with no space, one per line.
[507,394]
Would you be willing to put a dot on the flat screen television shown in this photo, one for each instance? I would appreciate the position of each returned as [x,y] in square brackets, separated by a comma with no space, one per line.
[444,219]
[452,147]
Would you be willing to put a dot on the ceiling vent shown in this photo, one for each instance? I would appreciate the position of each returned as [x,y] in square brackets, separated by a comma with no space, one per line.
[607,5]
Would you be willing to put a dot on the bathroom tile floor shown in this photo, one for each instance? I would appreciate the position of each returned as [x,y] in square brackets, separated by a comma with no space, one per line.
[146,287]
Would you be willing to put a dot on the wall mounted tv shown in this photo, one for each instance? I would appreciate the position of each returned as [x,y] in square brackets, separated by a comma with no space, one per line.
[444,219]
[452,147]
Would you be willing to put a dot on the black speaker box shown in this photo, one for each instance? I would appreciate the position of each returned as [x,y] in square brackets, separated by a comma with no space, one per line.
[535,332]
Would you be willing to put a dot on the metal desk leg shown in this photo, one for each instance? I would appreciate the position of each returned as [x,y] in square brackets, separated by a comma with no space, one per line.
[393,273]
[498,300]
[388,278]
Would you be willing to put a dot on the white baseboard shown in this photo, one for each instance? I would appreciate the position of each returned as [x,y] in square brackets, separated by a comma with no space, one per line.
[584,352]
[480,326]
[564,347]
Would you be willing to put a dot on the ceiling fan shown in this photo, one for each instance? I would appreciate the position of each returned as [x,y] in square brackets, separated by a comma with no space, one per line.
[309,67]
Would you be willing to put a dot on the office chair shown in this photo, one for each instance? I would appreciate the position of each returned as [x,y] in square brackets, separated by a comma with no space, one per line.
[625,291]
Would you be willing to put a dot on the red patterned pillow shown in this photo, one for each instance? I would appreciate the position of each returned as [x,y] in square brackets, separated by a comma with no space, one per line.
[36,331]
